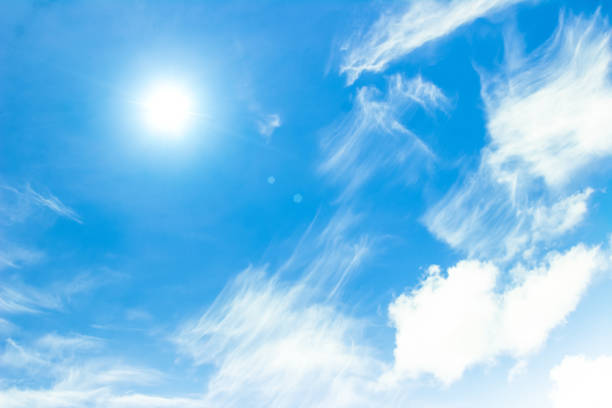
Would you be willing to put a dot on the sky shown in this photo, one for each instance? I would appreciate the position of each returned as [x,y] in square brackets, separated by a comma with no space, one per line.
[305,204]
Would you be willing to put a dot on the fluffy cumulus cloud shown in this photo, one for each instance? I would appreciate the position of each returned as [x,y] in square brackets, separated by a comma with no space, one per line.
[582,382]
[547,122]
[455,320]
[372,138]
[400,32]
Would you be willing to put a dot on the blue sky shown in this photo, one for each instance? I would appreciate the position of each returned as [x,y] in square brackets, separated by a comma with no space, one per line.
[331,204]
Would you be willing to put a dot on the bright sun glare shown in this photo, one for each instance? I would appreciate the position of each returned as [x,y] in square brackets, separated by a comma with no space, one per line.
[168,108]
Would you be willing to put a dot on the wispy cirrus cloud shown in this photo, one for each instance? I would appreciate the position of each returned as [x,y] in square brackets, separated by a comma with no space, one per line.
[52,203]
[20,298]
[548,112]
[372,138]
[46,351]
[13,256]
[280,343]
[58,343]
[17,297]
[546,118]
[402,30]
[76,379]
[17,204]
[16,207]
[98,397]
[480,218]
[6,327]
[273,344]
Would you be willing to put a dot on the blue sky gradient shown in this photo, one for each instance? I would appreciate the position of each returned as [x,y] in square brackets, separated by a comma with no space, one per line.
[374,204]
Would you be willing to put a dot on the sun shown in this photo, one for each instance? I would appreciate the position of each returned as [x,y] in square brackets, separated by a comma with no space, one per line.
[168,108]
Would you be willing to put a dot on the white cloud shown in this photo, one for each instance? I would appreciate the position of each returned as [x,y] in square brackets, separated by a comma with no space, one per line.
[52,203]
[559,218]
[101,397]
[548,115]
[451,323]
[282,344]
[15,208]
[99,391]
[12,256]
[273,345]
[75,379]
[267,124]
[26,299]
[95,374]
[547,120]
[56,343]
[371,138]
[137,314]
[400,32]
[18,297]
[6,327]
[517,370]
[16,205]
[582,382]
[481,218]
[14,355]
[47,351]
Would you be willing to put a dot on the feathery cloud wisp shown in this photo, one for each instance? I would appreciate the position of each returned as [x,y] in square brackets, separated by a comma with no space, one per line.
[548,114]
[396,34]
[372,138]
[52,203]
[287,344]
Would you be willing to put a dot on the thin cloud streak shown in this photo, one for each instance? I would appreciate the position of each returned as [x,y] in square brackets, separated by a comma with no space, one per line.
[372,139]
[52,203]
[26,299]
[399,32]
